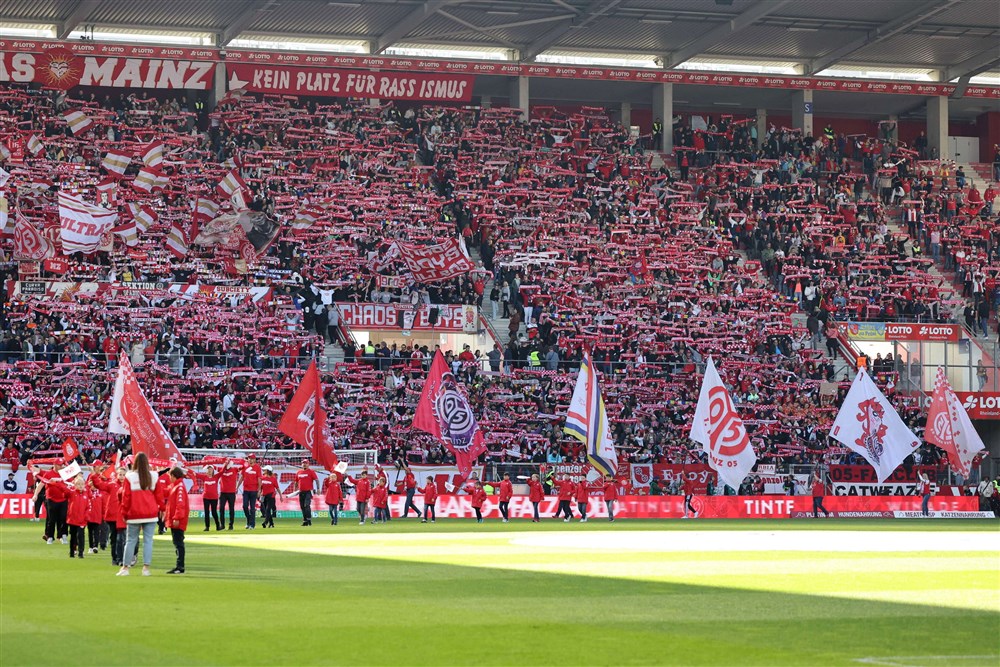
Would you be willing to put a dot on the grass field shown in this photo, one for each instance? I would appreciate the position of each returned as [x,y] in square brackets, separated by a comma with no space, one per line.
[837,592]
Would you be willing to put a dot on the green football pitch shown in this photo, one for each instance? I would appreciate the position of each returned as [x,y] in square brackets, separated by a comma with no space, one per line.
[839,592]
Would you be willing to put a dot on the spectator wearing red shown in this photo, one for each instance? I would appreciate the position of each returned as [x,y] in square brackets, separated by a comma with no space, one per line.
[582,498]
[410,486]
[506,493]
[162,487]
[610,496]
[268,490]
[478,498]
[11,457]
[112,490]
[210,495]
[536,492]
[228,483]
[306,480]
[334,496]
[430,499]
[140,508]
[177,513]
[55,506]
[95,513]
[566,490]
[77,502]
[687,488]
[362,492]
[251,487]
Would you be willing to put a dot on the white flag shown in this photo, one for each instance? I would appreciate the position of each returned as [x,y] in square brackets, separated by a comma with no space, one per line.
[82,224]
[78,121]
[4,177]
[949,427]
[721,432]
[868,424]
[587,420]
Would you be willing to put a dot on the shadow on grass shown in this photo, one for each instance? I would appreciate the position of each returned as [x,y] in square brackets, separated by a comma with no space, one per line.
[249,606]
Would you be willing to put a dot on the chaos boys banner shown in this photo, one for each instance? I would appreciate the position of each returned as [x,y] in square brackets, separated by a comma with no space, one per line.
[322,81]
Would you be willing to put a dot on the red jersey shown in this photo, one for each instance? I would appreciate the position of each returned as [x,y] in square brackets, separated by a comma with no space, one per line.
[582,491]
[362,488]
[478,497]
[430,492]
[112,491]
[160,491]
[268,485]
[178,507]
[506,491]
[380,497]
[251,478]
[76,510]
[211,491]
[566,489]
[925,488]
[306,479]
[138,504]
[54,492]
[334,494]
[819,489]
[95,506]
[410,481]
[229,480]
[610,491]
[535,491]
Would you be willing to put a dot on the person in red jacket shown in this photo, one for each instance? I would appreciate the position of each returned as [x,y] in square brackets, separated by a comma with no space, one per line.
[687,488]
[210,495]
[176,516]
[566,491]
[334,496]
[77,502]
[362,492]
[229,480]
[410,486]
[306,479]
[95,515]
[251,486]
[380,501]
[818,491]
[430,492]
[478,499]
[162,486]
[610,496]
[506,493]
[268,490]
[582,498]
[113,514]
[536,493]
[140,508]
[55,506]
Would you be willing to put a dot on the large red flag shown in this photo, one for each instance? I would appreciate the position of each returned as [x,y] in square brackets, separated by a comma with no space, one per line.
[70,450]
[444,412]
[305,417]
[131,414]
[949,426]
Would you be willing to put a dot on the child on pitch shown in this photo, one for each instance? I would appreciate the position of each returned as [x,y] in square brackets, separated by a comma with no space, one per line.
[380,501]
[362,494]
[78,501]
[536,492]
[430,499]
[113,515]
[95,514]
[610,496]
[334,496]
[178,509]
[582,498]
[478,499]
[268,490]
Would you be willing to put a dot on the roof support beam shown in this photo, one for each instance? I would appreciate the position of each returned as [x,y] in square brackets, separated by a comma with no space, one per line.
[242,21]
[498,26]
[967,69]
[885,31]
[482,31]
[408,24]
[80,13]
[748,17]
[594,11]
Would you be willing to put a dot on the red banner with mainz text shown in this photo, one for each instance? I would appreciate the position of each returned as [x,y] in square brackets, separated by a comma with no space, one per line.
[328,82]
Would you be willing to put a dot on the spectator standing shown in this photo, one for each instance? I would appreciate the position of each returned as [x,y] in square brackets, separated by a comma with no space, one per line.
[178,511]
[140,508]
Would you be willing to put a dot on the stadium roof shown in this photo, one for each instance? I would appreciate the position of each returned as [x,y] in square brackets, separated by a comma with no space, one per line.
[936,39]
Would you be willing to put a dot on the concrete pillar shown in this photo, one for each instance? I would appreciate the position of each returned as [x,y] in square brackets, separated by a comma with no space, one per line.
[626,115]
[486,102]
[761,125]
[663,108]
[937,127]
[520,94]
[802,112]
[218,90]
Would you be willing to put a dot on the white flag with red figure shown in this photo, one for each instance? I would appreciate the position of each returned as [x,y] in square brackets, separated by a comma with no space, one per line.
[721,431]
[131,414]
[305,419]
[82,224]
[949,427]
[868,425]
[28,241]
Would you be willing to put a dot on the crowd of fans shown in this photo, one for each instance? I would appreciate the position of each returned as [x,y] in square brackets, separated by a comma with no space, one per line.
[743,247]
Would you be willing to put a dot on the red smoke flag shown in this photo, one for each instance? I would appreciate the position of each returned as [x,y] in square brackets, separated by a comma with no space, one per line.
[131,414]
[444,412]
[70,450]
[305,419]
[949,427]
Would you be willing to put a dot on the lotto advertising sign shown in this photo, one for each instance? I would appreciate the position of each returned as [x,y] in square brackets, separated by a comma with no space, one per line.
[892,331]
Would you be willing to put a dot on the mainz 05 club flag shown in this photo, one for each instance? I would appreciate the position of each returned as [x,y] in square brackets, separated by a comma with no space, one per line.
[305,419]
[434,263]
[949,426]
[587,420]
[867,424]
[721,432]
[82,225]
[444,412]
[131,414]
